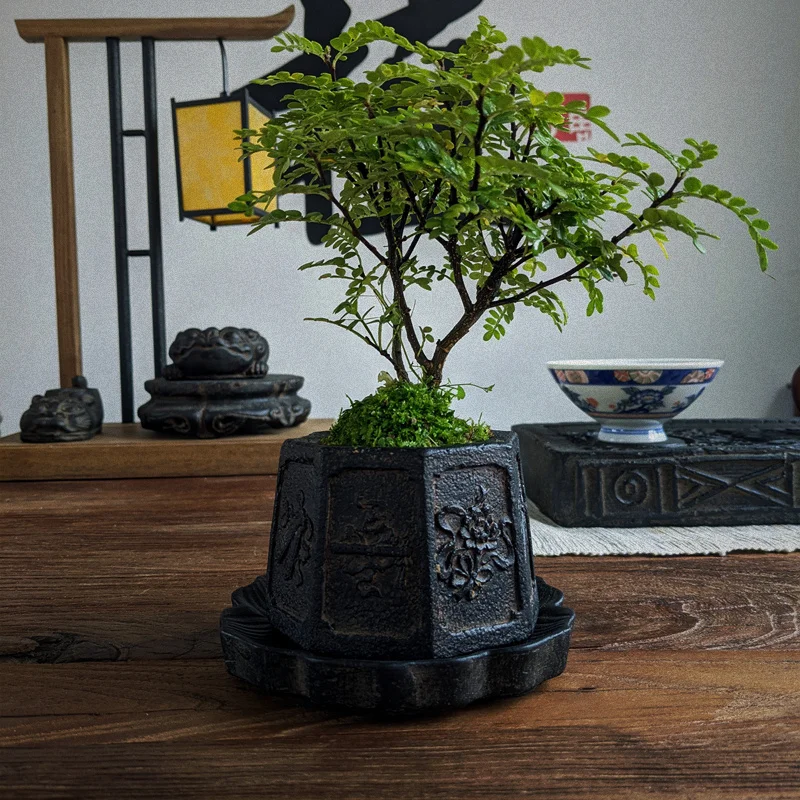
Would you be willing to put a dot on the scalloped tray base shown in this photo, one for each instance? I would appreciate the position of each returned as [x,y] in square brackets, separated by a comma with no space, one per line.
[257,653]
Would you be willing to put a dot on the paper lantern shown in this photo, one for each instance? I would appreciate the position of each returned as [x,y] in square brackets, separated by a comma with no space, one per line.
[210,174]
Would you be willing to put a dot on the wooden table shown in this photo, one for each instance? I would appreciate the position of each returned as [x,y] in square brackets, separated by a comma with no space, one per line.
[683,680]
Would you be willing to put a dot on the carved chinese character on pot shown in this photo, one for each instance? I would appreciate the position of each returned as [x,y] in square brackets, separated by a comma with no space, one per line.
[369,546]
[295,552]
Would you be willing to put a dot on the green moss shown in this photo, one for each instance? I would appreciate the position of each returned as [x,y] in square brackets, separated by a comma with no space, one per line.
[405,415]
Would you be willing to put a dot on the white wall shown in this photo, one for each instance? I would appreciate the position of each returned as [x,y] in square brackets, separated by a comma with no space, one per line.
[725,70]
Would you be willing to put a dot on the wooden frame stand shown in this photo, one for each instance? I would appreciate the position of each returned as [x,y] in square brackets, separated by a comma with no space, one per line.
[55,34]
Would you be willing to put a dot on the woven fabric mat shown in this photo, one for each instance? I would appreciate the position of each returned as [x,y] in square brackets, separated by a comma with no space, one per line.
[550,539]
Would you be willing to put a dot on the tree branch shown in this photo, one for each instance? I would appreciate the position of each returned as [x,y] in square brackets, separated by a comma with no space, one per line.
[401,224]
[397,356]
[346,214]
[421,221]
[361,336]
[476,175]
[526,152]
[565,276]
[458,277]
[396,276]
[412,198]
[395,268]
[482,302]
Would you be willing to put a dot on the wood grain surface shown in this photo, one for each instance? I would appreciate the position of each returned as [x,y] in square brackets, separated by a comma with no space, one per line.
[683,680]
[62,192]
[126,450]
[132,28]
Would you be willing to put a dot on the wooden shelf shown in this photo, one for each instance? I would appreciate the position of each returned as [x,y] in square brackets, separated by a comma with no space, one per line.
[129,451]
[134,28]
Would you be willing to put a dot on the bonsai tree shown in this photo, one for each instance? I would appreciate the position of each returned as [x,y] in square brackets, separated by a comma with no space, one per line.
[459,148]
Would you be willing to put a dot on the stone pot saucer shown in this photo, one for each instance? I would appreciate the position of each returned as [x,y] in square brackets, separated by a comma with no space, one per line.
[257,653]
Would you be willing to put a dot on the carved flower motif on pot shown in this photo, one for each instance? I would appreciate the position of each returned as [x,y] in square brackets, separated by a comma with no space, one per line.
[472,546]
[622,375]
[576,376]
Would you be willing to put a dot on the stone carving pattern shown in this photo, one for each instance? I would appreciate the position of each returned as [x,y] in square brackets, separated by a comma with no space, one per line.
[220,352]
[631,488]
[384,577]
[297,528]
[268,413]
[63,415]
[472,546]
[766,482]
[373,537]
[701,485]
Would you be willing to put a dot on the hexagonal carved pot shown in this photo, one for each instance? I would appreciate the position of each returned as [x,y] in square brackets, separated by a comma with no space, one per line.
[406,553]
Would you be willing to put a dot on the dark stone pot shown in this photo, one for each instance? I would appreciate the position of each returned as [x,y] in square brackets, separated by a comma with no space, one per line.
[403,552]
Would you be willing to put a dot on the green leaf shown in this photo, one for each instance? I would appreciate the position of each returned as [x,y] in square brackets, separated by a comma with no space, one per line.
[768,243]
[692,184]
[536,97]
[596,112]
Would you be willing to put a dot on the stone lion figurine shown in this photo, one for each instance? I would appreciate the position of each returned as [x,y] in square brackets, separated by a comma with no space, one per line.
[217,353]
[63,415]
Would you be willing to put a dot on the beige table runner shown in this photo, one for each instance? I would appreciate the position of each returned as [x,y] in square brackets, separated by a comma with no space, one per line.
[550,539]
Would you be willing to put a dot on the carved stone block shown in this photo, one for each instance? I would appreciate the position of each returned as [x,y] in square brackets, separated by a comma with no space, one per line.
[402,552]
[710,472]
[217,353]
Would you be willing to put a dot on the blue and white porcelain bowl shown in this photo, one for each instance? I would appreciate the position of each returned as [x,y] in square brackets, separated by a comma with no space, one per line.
[631,399]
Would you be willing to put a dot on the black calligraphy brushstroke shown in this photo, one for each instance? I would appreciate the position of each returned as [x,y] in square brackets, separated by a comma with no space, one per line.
[419,21]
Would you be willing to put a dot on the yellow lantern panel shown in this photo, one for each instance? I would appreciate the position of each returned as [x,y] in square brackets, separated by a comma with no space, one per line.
[211,176]
[210,173]
[259,162]
[215,220]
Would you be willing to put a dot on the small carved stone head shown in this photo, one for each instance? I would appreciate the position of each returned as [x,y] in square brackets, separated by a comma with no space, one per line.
[63,415]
